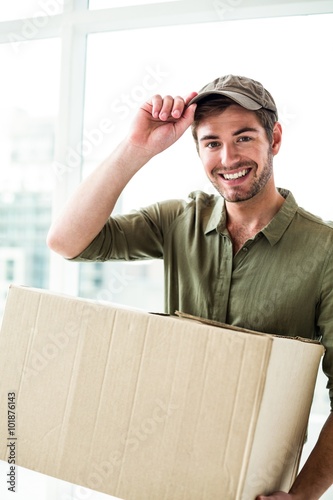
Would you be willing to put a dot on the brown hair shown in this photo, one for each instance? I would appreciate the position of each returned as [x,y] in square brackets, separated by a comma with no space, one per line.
[215,104]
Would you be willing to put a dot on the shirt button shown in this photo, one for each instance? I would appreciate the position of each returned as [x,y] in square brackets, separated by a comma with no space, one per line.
[245,249]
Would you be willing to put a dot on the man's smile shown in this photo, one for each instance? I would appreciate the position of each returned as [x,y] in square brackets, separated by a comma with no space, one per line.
[236,175]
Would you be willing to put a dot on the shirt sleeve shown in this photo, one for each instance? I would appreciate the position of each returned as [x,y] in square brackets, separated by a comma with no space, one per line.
[138,235]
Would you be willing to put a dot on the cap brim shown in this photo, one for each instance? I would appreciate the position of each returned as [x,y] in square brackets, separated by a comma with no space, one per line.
[240,99]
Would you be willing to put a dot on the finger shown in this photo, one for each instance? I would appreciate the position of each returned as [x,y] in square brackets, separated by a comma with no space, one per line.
[178,107]
[157,103]
[189,113]
[190,97]
[167,107]
[190,110]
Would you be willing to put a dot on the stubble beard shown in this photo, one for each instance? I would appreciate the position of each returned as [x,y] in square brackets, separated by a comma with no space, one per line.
[237,193]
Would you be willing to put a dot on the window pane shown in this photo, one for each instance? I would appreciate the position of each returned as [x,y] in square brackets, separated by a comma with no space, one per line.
[18,9]
[28,107]
[107,4]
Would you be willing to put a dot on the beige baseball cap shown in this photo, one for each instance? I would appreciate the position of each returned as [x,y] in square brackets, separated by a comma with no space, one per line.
[244,91]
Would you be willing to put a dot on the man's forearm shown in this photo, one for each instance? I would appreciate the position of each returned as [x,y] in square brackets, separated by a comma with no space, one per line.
[89,208]
[317,474]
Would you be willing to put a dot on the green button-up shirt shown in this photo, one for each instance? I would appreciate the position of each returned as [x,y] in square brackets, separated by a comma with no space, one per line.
[279,282]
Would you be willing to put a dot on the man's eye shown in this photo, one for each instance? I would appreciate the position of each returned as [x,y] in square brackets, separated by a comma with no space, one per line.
[213,144]
[244,138]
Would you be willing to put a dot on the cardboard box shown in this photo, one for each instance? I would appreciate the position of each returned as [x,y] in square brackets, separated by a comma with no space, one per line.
[143,406]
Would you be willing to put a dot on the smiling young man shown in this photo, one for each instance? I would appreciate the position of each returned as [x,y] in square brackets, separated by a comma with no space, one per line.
[237,155]
[248,256]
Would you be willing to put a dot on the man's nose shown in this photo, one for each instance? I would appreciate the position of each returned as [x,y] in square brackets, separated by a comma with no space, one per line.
[229,155]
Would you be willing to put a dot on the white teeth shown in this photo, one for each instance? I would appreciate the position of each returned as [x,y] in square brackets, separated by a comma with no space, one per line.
[236,175]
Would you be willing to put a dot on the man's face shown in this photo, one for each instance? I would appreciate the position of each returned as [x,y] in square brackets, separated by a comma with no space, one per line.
[235,152]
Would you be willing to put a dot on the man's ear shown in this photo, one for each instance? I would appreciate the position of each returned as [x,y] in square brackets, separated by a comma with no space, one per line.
[277,138]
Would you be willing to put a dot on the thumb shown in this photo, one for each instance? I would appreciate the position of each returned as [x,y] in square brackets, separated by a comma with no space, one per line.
[189,97]
[189,111]
[188,114]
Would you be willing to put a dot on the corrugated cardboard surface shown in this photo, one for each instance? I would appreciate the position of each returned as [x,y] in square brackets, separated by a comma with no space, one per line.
[143,406]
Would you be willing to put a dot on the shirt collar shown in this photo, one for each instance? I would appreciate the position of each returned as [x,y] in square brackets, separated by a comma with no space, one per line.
[216,221]
[274,229]
[278,225]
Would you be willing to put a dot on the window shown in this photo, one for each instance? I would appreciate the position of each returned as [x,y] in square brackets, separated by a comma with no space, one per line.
[29,90]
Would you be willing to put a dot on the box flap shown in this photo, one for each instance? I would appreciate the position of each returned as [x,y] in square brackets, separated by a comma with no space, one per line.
[240,329]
